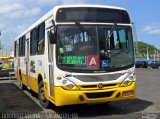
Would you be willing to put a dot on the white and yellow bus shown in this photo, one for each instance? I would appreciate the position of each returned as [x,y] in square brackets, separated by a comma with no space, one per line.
[78,54]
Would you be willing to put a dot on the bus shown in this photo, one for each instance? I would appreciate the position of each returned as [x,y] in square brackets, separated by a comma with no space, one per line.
[78,54]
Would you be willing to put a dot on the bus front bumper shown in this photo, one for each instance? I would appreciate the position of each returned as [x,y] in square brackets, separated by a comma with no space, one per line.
[67,97]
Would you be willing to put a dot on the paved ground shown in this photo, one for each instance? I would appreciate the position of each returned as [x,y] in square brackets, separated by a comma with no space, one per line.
[14,100]
[147,103]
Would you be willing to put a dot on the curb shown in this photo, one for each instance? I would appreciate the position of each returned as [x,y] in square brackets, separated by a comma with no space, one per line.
[7,78]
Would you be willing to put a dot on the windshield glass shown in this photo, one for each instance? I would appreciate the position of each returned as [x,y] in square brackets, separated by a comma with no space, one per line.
[96,48]
[116,46]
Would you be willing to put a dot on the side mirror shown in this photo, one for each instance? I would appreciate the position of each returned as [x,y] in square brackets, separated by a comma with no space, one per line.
[134,37]
[52,37]
[52,33]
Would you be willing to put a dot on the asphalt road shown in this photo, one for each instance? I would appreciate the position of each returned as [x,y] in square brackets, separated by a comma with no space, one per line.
[145,106]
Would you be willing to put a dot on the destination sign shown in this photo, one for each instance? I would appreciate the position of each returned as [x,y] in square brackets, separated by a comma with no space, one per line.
[73,60]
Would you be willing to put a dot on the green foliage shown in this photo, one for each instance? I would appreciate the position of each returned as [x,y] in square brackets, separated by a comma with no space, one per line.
[142,50]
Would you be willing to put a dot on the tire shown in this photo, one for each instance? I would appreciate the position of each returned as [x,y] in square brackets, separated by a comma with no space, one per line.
[41,96]
[21,85]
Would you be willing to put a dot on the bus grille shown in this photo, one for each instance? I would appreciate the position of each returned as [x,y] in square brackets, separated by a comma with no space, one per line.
[99,94]
[95,86]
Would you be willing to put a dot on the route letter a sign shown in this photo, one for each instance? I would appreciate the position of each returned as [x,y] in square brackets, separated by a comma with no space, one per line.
[93,60]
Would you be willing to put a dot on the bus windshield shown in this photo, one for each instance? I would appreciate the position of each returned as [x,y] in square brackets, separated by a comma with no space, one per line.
[94,47]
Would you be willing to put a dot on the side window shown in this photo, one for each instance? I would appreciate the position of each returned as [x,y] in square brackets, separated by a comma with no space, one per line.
[33,42]
[22,42]
[116,41]
[123,39]
[23,45]
[41,39]
[19,54]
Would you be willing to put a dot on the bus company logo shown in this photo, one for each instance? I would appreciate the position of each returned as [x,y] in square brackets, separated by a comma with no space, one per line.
[100,85]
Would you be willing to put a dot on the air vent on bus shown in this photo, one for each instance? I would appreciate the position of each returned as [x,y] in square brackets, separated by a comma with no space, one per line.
[99,95]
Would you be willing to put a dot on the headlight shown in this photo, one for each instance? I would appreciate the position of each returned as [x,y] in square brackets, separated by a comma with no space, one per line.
[128,81]
[68,85]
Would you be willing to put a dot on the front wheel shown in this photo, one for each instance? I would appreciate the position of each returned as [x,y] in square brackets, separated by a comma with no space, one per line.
[41,96]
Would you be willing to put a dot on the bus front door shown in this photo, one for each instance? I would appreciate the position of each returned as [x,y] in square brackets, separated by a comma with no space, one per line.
[27,62]
[51,67]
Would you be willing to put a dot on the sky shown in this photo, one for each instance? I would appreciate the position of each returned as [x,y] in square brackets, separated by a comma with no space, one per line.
[17,15]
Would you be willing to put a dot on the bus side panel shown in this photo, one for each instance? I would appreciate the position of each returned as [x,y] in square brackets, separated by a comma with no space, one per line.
[22,70]
[33,83]
[37,64]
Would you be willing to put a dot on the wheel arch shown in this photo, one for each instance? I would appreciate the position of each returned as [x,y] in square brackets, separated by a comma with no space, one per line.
[40,78]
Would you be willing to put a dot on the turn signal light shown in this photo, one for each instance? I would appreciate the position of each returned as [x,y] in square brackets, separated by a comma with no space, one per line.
[128,93]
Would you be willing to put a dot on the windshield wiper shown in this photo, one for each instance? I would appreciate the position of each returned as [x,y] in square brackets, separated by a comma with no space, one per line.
[84,30]
[119,52]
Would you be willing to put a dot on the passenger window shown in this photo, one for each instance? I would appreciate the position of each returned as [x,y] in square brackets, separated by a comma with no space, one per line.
[33,42]
[22,42]
[41,39]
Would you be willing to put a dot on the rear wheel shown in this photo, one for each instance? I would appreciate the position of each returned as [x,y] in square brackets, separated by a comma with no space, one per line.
[41,96]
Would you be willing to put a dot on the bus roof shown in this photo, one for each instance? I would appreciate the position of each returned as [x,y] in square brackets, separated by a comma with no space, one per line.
[53,11]
[89,5]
